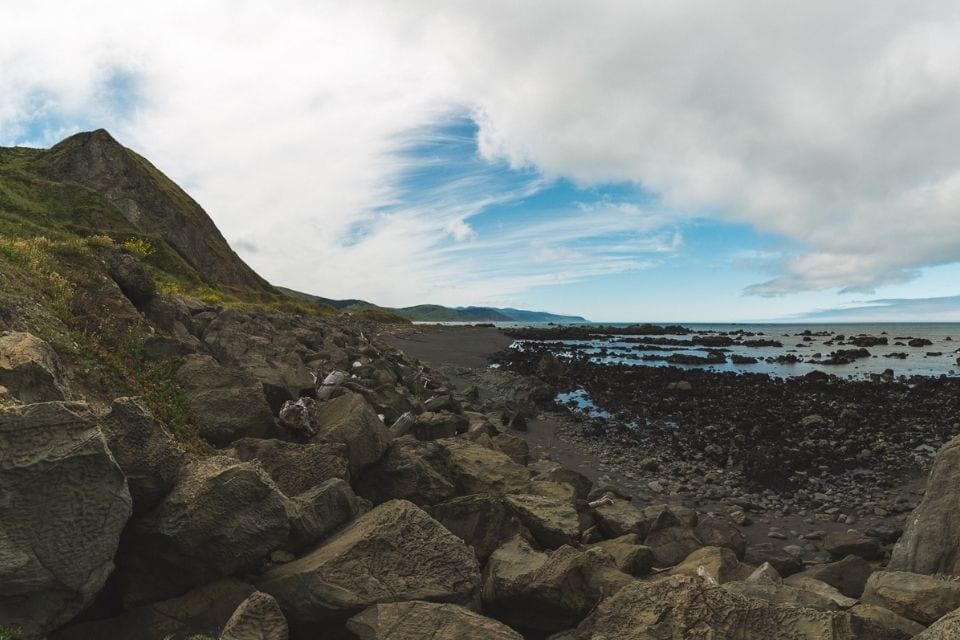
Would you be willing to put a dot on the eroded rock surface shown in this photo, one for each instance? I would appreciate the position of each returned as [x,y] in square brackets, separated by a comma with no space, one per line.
[394,552]
[63,504]
[418,619]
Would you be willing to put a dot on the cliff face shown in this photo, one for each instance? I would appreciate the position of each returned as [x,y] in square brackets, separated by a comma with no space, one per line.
[151,202]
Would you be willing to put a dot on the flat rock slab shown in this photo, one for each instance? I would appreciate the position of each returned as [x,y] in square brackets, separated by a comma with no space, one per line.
[394,552]
[418,619]
[63,503]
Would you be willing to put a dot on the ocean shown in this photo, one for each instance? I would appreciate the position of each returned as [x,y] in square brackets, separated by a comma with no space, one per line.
[806,342]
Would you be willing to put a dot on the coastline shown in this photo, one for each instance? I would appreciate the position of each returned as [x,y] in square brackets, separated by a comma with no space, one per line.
[463,353]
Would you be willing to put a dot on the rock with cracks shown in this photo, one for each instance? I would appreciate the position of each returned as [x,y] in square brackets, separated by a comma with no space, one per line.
[931,540]
[63,504]
[257,618]
[418,619]
[682,607]
[222,517]
[394,552]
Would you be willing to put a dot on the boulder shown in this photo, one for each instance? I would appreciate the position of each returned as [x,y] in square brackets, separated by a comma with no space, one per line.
[514,447]
[131,277]
[228,405]
[442,424]
[389,399]
[618,517]
[848,575]
[582,485]
[409,470]
[901,628]
[808,583]
[30,369]
[552,522]
[222,517]
[350,420]
[265,347]
[257,618]
[683,607]
[946,628]
[914,596]
[318,512]
[628,554]
[483,521]
[764,574]
[294,467]
[394,552]
[477,469]
[558,490]
[844,543]
[63,503]
[719,563]
[931,540]
[145,449]
[671,539]
[781,594]
[784,563]
[202,611]
[719,531]
[539,592]
[417,619]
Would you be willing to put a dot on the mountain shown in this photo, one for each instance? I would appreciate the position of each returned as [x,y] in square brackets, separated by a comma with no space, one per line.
[439,313]
[150,202]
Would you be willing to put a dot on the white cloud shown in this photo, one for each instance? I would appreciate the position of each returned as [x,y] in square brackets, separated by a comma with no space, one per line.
[833,125]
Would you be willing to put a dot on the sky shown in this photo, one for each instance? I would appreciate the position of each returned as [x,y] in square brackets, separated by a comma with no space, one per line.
[620,160]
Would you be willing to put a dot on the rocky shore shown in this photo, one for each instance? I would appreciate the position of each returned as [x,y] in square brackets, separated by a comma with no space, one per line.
[342,488]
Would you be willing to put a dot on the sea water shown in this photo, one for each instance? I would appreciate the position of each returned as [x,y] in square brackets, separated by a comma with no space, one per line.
[945,339]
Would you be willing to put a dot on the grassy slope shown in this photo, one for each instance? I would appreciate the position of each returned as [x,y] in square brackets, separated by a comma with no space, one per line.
[52,238]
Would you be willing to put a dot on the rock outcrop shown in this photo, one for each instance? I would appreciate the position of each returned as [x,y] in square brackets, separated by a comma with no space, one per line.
[30,369]
[63,504]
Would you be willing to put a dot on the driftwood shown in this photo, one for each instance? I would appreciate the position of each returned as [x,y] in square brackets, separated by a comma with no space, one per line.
[329,384]
[403,424]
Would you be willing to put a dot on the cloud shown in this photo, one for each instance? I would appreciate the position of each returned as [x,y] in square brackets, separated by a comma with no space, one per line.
[935,309]
[830,125]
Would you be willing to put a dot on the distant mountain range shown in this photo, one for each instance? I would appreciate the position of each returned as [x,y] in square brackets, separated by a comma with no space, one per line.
[438,313]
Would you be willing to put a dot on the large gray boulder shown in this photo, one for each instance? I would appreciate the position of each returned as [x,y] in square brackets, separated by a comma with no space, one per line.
[30,369]
[482,520]
[351,420]
[145,449]
[914,596]
[553,522]
[931,540]
[222,517]
[394,552]
[409,470]
[416,620]
[477,469]
[294,467]
[227,403]
[63,503]
[204,610]
[684,607]
[257,618]
[318,512]
[539,592]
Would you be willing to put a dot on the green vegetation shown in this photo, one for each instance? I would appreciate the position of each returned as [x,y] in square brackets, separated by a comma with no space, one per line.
[9,633]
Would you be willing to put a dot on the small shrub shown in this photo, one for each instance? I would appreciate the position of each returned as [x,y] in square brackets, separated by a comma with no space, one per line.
[10,633]
[101,241]
[139,247]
